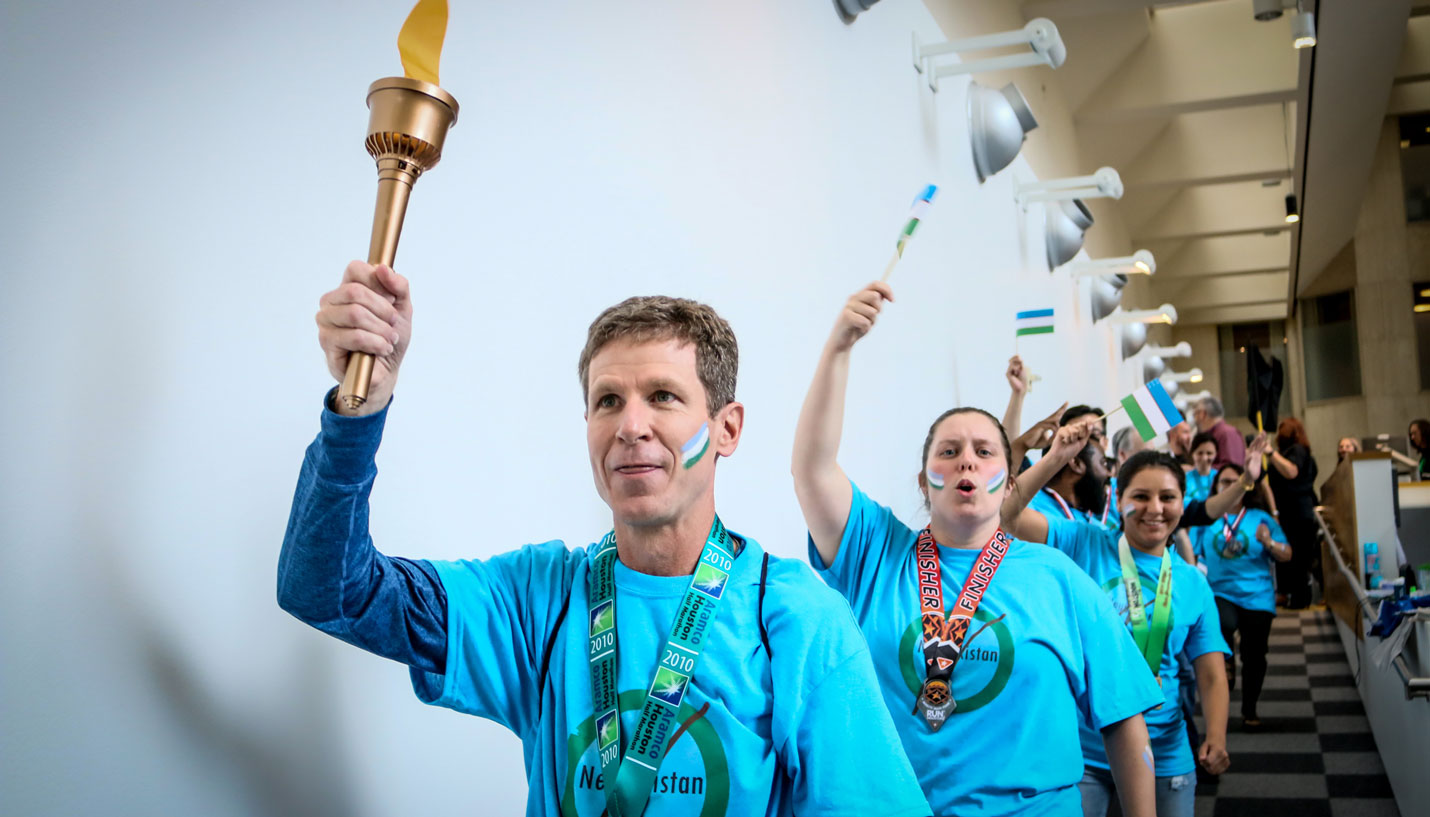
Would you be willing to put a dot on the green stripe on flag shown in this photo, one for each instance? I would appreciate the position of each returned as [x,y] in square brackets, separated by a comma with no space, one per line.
[1139,420]
[1035,330]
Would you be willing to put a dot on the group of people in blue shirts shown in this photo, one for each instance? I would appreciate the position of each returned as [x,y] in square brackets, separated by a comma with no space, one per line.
[996,660]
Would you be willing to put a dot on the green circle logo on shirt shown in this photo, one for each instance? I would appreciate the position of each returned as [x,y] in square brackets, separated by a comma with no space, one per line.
[1236,549]
[989,668]
[715,786]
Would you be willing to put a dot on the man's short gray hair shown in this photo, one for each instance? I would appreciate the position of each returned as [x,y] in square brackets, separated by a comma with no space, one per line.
[1122,441]
[1212,407]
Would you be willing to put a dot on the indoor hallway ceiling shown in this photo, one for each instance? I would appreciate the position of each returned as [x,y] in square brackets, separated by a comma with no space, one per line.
[1202,110]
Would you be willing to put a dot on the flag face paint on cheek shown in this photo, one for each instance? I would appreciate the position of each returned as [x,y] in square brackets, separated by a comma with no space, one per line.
[997,481]
[696,446]
[935,480]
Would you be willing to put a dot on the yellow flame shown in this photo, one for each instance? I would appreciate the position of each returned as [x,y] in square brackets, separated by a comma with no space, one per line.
[420,41]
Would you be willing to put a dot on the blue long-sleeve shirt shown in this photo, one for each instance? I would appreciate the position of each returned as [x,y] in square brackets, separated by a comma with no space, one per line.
[329,573]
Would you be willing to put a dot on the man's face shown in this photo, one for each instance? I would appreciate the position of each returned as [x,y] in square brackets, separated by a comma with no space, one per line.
[651,440]
[1179,437]
[1202,419]
[1090,490]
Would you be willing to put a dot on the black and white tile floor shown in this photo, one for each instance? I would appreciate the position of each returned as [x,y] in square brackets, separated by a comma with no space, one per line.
[1314,755]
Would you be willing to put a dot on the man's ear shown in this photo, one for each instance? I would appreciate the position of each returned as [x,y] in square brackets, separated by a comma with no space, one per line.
[729,422]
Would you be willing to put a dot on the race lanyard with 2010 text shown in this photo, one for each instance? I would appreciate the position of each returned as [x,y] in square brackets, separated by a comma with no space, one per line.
[630,774]
[945,635]
[1151,636]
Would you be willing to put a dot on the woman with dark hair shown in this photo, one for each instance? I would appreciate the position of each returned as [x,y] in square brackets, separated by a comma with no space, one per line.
[1199,480]
[1418,435]
[1293,486]
[1238,550]
[987,649]
[1167,605]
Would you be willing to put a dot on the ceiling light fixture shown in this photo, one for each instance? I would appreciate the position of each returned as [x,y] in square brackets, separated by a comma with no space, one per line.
[1264,10]
[1293,213]
[1186,399]
[1152,368]
[1140,262]
[1066,225]
[1040,34]
[1166,313]
[1182,349]
[1104,184]
[1105,298]
[1134,337]
[1193,376]
[998,123]
[1303,29]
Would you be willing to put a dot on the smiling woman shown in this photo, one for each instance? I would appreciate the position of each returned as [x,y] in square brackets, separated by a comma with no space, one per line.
[943,685]
[1168,608]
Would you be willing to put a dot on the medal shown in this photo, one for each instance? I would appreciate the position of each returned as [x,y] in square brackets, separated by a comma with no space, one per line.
[945,634]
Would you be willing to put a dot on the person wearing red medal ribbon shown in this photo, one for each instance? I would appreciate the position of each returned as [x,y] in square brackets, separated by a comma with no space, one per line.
[1238,551]
[988,650]
[1169,608]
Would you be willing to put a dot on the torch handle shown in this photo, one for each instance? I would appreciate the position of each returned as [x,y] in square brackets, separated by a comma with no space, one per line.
[394,186]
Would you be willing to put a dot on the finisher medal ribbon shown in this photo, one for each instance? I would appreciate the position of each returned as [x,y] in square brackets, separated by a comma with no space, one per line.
[944,636]
[630,774]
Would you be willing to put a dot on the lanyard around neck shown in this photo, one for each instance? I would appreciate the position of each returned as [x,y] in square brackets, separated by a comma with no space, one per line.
[1151,637]
[945,635]
[630,774]
[1062,503]
[1231,526]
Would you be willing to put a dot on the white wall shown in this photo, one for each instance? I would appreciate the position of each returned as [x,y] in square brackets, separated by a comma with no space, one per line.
[188,178]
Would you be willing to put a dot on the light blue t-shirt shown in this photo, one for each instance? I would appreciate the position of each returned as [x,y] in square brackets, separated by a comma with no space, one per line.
[1011,745]
[1194,631]
[1199,488]
[1240,571]
[800,730]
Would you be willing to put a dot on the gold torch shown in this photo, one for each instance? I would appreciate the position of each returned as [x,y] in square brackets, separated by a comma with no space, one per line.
[407,123]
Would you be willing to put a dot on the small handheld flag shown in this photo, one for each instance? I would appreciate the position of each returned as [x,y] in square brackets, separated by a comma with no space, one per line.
[1034,322]
[1151,410]
[917,212]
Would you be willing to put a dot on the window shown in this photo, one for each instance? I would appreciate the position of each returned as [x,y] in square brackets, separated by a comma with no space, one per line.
[1233,339]
[1415,165]
[1328,334]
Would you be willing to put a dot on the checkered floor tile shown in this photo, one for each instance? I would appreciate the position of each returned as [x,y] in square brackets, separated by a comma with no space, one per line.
[1314,755]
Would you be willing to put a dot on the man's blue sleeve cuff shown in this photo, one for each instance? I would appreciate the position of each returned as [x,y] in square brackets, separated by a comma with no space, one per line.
[346,447]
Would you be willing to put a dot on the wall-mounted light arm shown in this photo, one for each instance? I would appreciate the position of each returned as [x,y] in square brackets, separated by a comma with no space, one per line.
[1104,184]
[1040,34]
[1193,376]
[1166,313]
[1185,399]
[1182,349]
[1140,262]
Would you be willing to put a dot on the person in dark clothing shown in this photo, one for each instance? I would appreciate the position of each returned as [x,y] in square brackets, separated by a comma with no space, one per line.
[1293,478]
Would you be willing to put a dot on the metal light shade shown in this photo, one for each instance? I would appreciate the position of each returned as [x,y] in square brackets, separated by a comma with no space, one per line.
[1105,298]
[1134,337]
[1171,387]
[997,124]
[1152,368]
[851,8]
[1067,223]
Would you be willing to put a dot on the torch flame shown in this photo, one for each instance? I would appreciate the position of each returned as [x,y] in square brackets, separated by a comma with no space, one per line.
[420,41]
